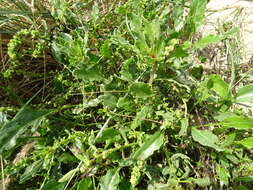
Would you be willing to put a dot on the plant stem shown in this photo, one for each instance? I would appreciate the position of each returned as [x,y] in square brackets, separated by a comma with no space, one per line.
[152,74]
[2,171]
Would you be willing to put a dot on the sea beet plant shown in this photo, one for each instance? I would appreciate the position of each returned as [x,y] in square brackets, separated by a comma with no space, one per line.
[130,105]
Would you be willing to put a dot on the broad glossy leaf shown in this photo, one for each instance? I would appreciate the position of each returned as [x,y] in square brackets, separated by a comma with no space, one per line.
[85,184]
[31,171]
[247,142]
[14,128]
[244,94]
[149,146]
[110,181]
[238,122]
[140,90]
[205,138]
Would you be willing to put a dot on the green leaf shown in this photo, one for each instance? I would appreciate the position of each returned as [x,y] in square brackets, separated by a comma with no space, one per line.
[212,39]
[125,103]
[184,127]
[178,15]
[149,146]
[68,175]
[228,140]
[246,179]
[12,130]
[140,116]
[205,138]
[111,180]
[244,94]
[152,31]
[85,184]
[125,185]
[89,73]
[219,86]
[202,182]
[242,187]
[129,70]
[223,175]
[109,100]
[140,90]
[108,134]
[105,49]
[31,171]
[207,40]
[3,118]
[53,185]
[95,12]
[196,16]
[238,122]
[247,142]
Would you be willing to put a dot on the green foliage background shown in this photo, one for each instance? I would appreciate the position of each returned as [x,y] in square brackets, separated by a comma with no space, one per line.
[116,98]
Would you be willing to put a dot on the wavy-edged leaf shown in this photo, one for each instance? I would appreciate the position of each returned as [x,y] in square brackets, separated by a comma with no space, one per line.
[111,180]
[149,146]
[14,128]
[89,73]
[140,90]
[205,138]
